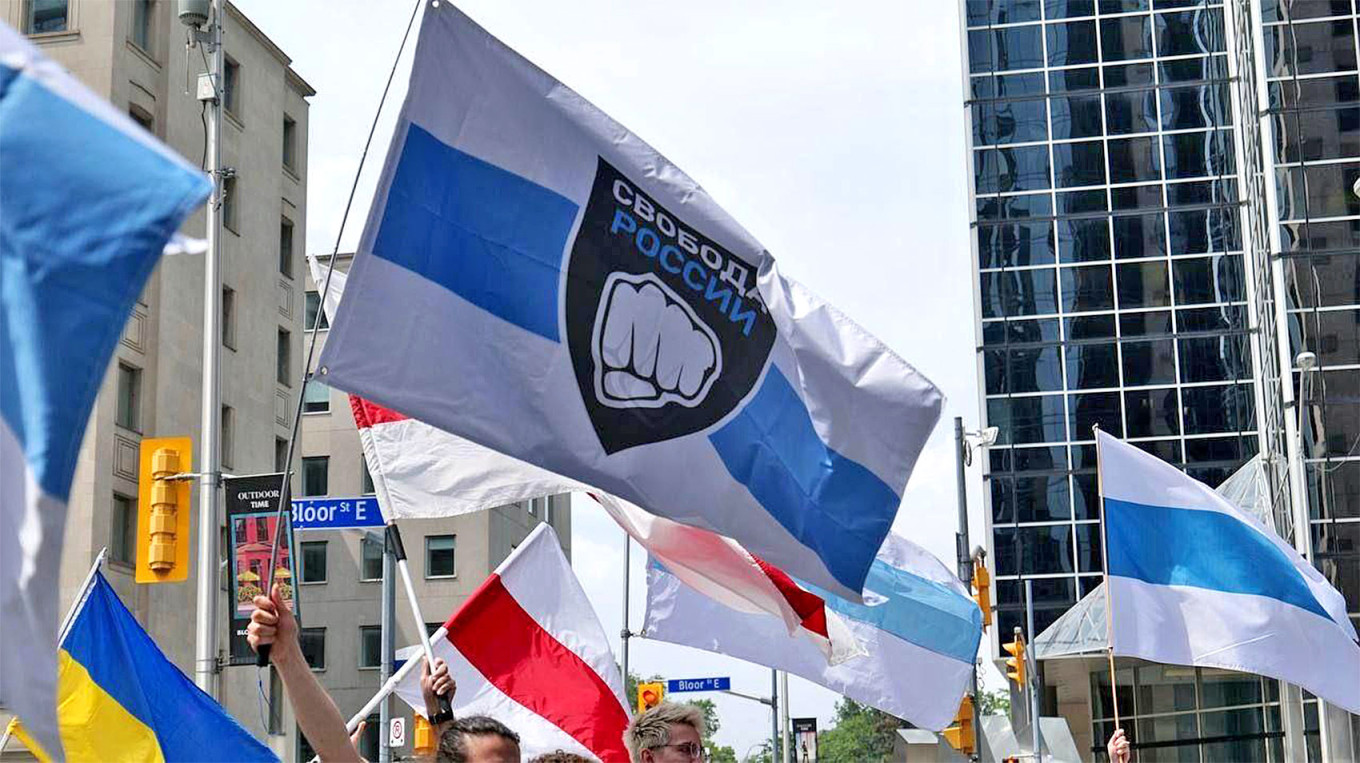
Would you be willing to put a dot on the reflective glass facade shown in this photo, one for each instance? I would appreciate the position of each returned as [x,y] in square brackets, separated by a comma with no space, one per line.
[1112,288]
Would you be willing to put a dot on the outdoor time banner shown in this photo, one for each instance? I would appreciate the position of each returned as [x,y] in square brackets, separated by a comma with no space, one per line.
[251,505]
[537,279]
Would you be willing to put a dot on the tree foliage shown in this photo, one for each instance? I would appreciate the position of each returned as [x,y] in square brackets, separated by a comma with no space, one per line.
[994,702]
[859,734]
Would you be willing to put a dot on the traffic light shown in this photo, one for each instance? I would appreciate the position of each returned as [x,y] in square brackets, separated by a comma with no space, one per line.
[163,510]
[423,737]
[1015,665]
[960,735]
[649,695]
[982,592]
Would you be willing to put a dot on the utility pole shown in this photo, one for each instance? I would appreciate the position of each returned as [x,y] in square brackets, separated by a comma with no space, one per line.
[1033,673]
[205,650]
[964,554]
[784,714]
[775,701]
[388,620]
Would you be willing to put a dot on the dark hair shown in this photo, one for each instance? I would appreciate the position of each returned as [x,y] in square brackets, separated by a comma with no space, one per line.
[560,756]
[452,742]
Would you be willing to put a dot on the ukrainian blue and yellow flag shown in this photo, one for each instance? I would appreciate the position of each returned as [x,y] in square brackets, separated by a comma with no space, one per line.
[120,699]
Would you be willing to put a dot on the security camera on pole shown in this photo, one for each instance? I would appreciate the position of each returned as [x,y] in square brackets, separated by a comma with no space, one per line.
[195,14]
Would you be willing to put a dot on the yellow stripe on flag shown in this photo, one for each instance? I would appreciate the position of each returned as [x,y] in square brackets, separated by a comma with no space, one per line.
[94,727]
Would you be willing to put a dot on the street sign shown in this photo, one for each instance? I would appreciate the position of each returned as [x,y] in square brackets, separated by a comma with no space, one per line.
[396,736]
[336,513]
[699,684]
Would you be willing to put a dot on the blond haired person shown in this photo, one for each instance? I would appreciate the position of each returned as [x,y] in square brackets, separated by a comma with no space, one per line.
[667,733]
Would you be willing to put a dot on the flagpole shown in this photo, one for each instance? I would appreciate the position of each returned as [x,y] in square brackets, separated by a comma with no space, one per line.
[399,551]
[625,633]
[1109,600]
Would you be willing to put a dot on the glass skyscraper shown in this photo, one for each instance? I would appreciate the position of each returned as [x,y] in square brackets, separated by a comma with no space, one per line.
[1165,215]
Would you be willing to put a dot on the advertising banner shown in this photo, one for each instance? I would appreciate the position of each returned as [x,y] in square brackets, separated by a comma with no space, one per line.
[805,740]
[251,504]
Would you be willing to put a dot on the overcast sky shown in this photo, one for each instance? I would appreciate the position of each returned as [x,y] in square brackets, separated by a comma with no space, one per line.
[832,132]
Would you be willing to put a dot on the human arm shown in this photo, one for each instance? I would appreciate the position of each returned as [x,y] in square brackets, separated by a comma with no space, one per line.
[316,713]
[432,685]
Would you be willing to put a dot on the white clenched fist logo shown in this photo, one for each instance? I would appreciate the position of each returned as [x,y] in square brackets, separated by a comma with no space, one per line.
[649,347]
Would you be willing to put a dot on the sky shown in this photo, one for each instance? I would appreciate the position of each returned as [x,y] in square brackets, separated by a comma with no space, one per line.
[832,132]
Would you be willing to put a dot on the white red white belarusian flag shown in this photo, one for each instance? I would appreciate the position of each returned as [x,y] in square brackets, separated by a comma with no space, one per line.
[421,471]
[527,650]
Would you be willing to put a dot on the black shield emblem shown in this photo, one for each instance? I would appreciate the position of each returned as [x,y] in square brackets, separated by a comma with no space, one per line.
[666,329]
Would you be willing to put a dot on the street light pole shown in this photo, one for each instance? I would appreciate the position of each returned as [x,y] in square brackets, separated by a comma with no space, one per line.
[205,650]
[964,555]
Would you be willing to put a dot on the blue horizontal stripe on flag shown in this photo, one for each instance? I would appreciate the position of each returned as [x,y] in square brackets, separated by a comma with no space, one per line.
[486,234]
[1201,549]
[829,503]
[916,610]
[123,660]
[86,212]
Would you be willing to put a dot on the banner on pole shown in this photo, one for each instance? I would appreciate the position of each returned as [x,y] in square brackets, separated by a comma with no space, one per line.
[251,518]
[805,740]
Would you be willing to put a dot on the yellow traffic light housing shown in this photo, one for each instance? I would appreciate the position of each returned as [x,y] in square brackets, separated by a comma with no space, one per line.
[163,510]
[649,695]
[1015,665]
[424,738]
[982,592]
[960,734]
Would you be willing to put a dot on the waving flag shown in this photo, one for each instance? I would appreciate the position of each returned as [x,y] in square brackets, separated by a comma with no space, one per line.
[119,698]
[537,279]
[918,625]
[88,200]
[527,650]
[1194,580]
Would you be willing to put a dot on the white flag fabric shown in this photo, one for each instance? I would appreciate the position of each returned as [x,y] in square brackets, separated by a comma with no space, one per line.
[918,625]
[88,200]
[537,279]
[1194,580]
[527,650]
[421,471]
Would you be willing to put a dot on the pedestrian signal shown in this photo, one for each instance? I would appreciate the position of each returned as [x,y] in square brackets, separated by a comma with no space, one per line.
[649,696]
[163,510]
[1015,665]
[960,734]
[982,592]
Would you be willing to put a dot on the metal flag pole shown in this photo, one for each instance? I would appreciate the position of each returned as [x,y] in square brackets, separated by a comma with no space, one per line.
[625,634]
[1109,599]
[210,478]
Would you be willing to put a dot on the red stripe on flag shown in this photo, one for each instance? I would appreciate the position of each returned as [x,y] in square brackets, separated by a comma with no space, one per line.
[525,662]
[809,607]
[366,413]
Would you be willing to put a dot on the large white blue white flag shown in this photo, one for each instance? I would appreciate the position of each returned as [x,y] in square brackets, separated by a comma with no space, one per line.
[88,200]
[918,625]
[536,278]
[1194,580]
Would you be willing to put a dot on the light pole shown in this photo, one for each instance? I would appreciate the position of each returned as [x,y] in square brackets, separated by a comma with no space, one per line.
[963,446]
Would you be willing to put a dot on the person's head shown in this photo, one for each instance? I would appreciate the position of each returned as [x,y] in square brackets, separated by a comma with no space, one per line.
[477,739]
[667,733]
[560,756]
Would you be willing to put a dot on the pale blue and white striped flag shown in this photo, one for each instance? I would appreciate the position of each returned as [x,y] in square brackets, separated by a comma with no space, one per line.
[1194,580]
[88,200]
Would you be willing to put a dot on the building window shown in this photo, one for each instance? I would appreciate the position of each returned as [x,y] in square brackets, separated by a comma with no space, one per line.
[430,628]
[313,643]
[284,358]
[231,87]
[313,568]
[229,203]
[439,556]
[289,143]
[305,751]
[123,537]
[46,16]
[531,506]
[228,435]
[313,316]
[286,246]
[229,317]
[366,481]
[368,743]
[143,119]
[370,646]
[315,475]
[141,24]
[280,454]
[316,397]
[129,396]
[370,560]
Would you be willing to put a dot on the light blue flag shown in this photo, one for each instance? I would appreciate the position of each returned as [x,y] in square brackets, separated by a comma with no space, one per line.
[88,200]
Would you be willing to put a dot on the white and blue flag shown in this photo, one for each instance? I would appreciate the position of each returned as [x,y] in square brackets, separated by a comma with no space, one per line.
[537,279]
[1194,580]
[88,200]
[918,626]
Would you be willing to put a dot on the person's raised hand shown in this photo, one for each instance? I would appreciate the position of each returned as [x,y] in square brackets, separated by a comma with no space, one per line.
[272,623]
[436,683]
[1118,747]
